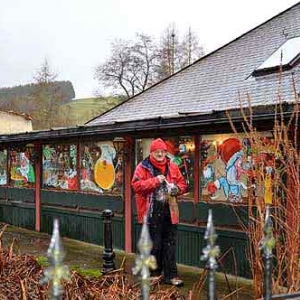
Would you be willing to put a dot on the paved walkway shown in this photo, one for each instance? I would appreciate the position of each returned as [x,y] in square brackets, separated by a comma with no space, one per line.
[84,255]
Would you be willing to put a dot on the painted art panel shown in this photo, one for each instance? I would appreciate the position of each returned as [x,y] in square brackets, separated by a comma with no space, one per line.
[3,167]
[229,163]
[101,168]
[22,173]
[59,166]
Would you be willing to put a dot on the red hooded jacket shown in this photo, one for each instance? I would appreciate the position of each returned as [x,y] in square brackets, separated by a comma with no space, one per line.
[144,183]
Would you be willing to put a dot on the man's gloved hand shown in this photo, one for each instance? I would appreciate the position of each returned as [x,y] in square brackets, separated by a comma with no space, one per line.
[161,178]
[173,189]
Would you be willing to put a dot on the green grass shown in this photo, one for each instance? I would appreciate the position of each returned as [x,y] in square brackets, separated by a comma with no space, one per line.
[78,112]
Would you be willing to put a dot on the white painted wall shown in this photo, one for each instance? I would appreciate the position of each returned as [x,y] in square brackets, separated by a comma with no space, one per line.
[13,123]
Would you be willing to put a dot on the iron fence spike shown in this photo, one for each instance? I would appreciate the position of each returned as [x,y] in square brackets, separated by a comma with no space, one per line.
[267,244]
[56,271]
[210,254]
[145,261]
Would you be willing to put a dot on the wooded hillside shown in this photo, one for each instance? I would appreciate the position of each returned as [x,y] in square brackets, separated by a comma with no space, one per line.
[19,97]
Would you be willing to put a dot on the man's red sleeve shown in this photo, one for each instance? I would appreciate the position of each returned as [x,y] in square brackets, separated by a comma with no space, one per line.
[141,184]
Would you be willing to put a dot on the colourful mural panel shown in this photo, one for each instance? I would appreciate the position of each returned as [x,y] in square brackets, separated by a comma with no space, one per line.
[101,168]
[3,167]
[59,166]
[229,164]
[22,173]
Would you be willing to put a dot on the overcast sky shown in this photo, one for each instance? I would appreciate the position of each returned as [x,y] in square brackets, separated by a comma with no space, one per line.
[76,35]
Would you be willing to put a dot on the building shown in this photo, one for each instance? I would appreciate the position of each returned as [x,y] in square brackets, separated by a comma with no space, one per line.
[13,122]
[64,175]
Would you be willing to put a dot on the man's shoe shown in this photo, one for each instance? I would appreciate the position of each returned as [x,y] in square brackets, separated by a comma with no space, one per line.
[175,281]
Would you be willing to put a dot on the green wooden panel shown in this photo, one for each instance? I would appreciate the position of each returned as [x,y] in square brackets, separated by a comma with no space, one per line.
[223,214]
[21,215]
[81,200]
[235,244]
[133,205]
[62,198]
[21,195]
[186,211]
[3,192]
[136,235]
[87,226]
[118,230]
[101,202]
[73,226]
[190,243]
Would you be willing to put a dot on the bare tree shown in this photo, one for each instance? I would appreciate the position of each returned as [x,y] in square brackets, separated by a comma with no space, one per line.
[177,53]
[44,74]
[47,97]
[114,72]
[190,49]
[168,53]
[145,60]
[130,67]
[133,66]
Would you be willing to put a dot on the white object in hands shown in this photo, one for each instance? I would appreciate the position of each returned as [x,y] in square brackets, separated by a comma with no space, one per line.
[171,187]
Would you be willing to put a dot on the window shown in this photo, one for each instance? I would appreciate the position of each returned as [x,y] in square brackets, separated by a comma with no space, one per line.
[59,166]
[181,151]
[286,56]
[101,168]
[227,162]
[3,167]
[21,163]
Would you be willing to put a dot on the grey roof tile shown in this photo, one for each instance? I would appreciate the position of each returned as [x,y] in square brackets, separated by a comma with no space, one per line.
[215,81]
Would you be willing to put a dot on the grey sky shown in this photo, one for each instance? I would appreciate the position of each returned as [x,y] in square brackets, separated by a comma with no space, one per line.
[75,35]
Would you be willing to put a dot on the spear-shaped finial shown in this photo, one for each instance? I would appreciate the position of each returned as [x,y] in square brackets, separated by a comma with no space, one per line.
[145,261]
[210,254]
[56,271]
[267,243]
[211,251]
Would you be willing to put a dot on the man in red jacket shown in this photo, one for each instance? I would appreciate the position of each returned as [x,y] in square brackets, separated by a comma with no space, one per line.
[156,180]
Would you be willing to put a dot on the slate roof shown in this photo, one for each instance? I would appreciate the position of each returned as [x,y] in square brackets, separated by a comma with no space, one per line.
[217,81]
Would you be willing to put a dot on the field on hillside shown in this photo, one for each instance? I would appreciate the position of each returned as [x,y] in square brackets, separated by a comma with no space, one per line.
[78,112]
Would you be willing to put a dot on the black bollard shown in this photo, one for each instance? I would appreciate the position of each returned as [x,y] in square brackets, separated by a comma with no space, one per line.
[108,253]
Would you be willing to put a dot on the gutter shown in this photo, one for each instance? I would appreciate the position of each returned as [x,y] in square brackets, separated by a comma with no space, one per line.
[138,126]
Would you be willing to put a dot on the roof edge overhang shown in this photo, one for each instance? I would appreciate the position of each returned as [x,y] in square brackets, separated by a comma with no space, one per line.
[200,121]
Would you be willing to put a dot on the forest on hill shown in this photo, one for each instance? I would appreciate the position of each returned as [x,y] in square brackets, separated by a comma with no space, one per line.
[51,104]
[25,93]
[41,100]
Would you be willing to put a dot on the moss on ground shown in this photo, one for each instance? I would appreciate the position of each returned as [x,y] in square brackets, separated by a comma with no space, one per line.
[87,272]
[42,261]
